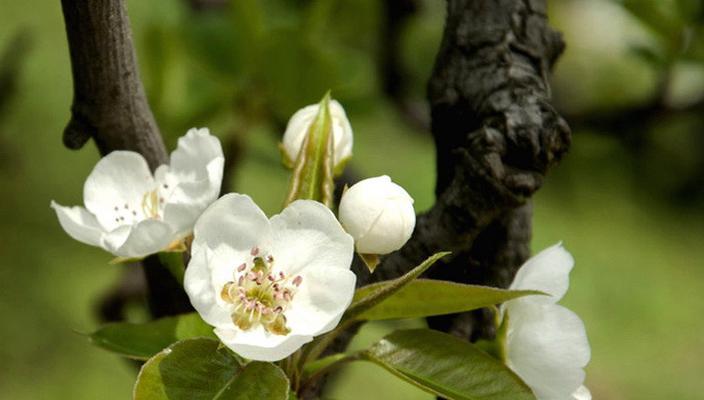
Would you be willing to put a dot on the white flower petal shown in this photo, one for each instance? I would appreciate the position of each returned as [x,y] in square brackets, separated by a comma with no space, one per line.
[145,238]
[306,234]
[342,132]
[547,346]
[120,178]
[116,238]
[582,393]
[547,271]
[260,345]
[195,151]
[79,224]
[324,295]
[181,218]
[233,220]
[300,122]
[200,290]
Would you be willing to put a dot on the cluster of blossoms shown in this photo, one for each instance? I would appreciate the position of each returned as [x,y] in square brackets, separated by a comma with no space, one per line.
[270,285]
[267,286]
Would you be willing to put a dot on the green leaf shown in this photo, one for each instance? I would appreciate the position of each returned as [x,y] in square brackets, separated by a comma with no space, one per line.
[446,366]
[369,296]
[312,176]
[142,341]
[202,369]
[425,297]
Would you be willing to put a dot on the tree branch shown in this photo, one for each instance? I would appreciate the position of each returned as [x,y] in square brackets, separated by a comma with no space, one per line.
[496,133]
[109,103]
[110,106]
[496,136]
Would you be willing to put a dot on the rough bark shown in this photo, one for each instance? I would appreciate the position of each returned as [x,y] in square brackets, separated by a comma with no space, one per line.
[496,136]
[489,97]
[496,133]
[110,106]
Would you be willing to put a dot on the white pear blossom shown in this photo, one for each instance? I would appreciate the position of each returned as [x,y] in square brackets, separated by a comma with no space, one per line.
[378,214]
[546,344]
[132,213]
[300,122]
[268,286]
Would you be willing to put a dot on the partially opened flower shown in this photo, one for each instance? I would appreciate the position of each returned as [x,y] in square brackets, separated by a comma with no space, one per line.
[132,213]
[378,214]
[300,122]
[268,286]
[546,344]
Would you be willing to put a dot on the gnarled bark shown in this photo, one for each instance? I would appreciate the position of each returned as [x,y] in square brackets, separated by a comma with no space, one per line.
[496,136]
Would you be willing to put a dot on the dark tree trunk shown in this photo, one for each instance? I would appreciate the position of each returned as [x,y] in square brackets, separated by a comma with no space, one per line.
[109,105]
[489,96]
[496,136]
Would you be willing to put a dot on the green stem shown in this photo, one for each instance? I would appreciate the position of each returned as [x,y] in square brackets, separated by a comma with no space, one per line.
[310,380]
[313,351]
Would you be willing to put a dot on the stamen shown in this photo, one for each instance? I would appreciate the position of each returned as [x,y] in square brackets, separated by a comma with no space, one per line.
[260,295]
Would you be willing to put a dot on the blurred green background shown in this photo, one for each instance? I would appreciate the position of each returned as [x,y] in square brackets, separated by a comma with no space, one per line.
[627,201]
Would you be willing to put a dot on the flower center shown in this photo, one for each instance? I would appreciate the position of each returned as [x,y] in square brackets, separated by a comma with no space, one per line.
[259,295]
[150,207]
[150,204]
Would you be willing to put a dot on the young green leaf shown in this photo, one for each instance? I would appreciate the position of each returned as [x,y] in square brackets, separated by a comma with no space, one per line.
[446,366]
[426,297]
[201,369]
[369,296]
[142,341]
[312,176]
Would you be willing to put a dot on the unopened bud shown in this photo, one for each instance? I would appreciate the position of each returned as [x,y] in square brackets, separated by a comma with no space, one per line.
[378,214]
[301,121]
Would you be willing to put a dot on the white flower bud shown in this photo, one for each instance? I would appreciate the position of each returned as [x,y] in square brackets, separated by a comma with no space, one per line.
[299,123]
[378,214]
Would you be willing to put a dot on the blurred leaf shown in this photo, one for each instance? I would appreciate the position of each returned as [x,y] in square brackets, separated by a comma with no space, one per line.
[201,369]
[649,54]
[142,341]
[216,42]
[295,71]
[426,297]
[659,15]
[691,11]
[369,296]
[446,366]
